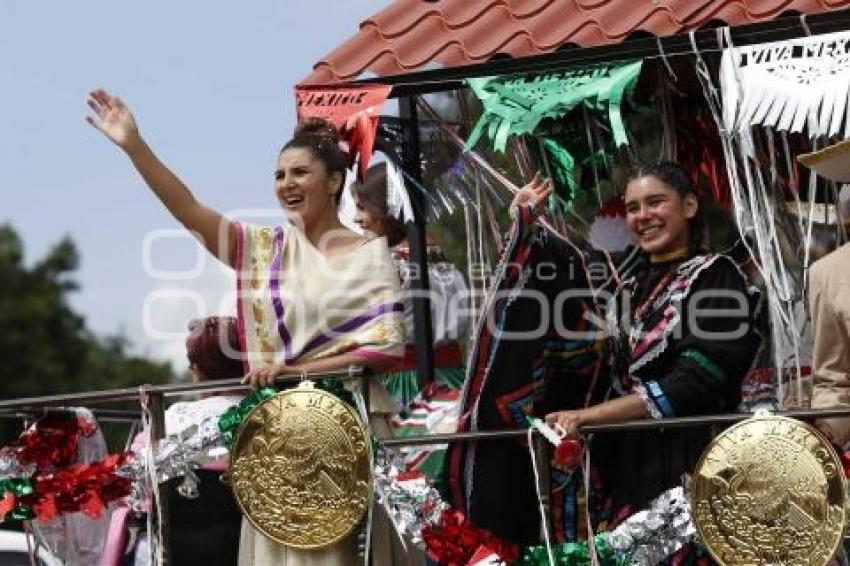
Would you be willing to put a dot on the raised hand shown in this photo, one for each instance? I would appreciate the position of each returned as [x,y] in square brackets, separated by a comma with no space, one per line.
[113,119]
[534,194]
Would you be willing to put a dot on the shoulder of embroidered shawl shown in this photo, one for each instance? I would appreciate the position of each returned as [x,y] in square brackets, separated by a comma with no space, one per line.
[698,261]
[700,264]
[258,237]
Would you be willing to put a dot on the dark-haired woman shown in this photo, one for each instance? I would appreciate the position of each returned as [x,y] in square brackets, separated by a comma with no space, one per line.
[678,336]
[313,296]
[681,337]
[449,322]
[448,289]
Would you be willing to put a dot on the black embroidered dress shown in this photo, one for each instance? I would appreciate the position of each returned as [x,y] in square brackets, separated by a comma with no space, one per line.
[679,334]
[682,337]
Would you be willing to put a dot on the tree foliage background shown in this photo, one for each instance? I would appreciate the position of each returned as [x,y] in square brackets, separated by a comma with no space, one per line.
[45,347]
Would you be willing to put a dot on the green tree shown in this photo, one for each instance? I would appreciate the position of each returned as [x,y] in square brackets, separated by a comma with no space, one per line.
[45,347]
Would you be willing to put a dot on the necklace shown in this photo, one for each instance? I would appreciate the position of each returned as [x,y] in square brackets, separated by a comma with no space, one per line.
[669,256]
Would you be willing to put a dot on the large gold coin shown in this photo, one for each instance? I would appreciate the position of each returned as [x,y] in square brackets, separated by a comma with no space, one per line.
[769,490]
[300,468]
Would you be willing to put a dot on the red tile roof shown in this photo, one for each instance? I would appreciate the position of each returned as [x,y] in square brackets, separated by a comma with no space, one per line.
[411,34]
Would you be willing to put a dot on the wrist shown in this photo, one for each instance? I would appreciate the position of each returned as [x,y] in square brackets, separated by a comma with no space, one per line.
[135,146]
[289,369]
[280,368]
[586,416]
[526,214]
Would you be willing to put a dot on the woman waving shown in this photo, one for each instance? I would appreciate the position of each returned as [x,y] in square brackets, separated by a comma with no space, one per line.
[313,296]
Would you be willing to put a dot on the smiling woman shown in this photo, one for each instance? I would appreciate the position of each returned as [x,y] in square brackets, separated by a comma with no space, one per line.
[312,295]
[309,177]
[662,210]
[687,339]
[678,337]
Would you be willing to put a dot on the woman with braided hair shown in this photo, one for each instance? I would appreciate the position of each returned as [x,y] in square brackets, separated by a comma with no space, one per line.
[681,337]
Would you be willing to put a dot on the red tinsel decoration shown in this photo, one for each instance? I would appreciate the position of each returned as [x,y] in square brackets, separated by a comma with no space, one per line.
[58,486]
[7,504]
[81,487]
[613,208]
[568,453]
[52,441]
[454,540]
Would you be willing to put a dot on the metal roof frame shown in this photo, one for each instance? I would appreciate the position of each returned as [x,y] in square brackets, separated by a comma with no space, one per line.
[636,47]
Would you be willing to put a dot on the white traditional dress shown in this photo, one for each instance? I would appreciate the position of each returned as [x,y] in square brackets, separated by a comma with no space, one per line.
[295,304]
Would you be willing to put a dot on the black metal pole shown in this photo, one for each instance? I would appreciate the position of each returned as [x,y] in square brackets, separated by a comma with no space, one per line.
[417,242]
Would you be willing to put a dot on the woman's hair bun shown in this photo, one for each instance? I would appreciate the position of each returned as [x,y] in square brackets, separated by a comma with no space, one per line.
[317,129]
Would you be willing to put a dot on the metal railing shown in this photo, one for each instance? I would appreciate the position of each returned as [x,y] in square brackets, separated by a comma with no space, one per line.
[154,396]
[33,407]
[168,390]
[645,424]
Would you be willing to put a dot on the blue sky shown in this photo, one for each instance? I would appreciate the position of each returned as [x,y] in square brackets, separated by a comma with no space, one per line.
[211,86]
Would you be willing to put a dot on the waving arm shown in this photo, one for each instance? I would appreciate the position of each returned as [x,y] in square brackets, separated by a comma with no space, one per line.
[115,121]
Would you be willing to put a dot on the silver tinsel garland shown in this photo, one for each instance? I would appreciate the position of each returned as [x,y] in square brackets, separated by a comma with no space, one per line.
[411,503]
[649,536]
[179,455]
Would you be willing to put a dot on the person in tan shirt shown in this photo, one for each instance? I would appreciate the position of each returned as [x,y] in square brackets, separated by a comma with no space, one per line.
[829,308]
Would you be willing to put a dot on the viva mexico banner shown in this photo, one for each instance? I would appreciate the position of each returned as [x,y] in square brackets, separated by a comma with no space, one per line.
[354,111]
[789,85]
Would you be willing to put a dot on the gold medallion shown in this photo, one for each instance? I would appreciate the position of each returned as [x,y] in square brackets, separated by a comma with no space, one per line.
[300,468]
[769,490]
